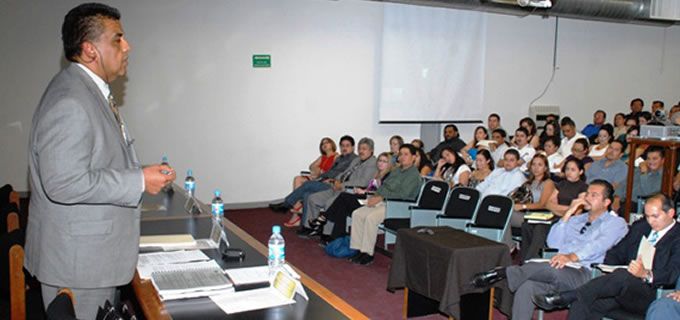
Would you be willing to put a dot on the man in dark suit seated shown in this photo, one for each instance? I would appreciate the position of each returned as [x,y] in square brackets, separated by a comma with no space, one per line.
[634,287]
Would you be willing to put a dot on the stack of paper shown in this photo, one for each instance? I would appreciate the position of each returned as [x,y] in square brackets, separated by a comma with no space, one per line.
[163,261]
[191,280]
[170,241]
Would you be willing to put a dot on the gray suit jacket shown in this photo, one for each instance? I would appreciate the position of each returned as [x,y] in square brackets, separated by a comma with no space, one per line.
[86,185]
[360,174]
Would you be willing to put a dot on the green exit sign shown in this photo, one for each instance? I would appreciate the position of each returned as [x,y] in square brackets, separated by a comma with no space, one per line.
[262,61]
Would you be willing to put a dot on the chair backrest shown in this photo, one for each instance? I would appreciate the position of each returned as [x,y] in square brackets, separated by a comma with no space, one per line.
[433,195]
[462,203]
[493,212]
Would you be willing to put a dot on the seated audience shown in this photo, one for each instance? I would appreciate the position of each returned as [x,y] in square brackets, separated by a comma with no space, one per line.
[569,188]
[322,164]
[632,288]
[592,129]
[541,187]
[324,181]
[620,127]
[636,106]
[644,118]
[342,206]
[532,138]
[402,183]
[580,239]
[570,136]
[551,148]
[579,150]
[424,164]
[665,308]
[484,166]
[604,138]
[451,139]
[419,144]
[452,169]
[610,168]
[504,179]
[551,129]
[499,148]
[493,122]
[526,151]
[395,142]
[633,132]
[470,151]
[646,178]
[359,174]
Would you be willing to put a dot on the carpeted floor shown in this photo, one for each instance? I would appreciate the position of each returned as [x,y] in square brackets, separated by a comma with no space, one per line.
[361,286]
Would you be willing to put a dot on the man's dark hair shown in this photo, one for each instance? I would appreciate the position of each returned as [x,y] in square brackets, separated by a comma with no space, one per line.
[555,140]
[411,149]
[566,121]
[451,126]
[495,115]
[658,149]
[642,103]
[347,138]
[645,114]
[522,130]
[623,144]
[501,132]
[84,23]
[604,114]
[608,192]
[659,102]
[513,152]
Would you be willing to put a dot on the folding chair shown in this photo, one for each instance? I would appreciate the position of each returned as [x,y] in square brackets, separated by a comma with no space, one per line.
[492,217]
[460,208]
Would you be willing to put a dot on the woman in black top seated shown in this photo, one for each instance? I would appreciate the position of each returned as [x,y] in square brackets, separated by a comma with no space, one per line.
[347,202]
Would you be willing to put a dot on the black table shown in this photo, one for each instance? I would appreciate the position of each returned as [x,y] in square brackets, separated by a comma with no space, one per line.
[322,303]
[440,267]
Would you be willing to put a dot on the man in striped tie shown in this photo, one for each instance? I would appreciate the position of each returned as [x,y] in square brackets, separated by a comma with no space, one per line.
[632,288]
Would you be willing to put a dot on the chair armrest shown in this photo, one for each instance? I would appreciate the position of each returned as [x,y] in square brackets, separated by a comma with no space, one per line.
[547,253]
[400,201]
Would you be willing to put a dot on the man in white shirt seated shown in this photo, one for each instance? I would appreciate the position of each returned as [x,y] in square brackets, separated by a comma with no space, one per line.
[570,136]
[505,179]
[526,151]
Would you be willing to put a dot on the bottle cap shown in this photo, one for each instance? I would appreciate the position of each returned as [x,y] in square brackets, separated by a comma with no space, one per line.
[217,192]
[276,229]
[164,159]
[189,173]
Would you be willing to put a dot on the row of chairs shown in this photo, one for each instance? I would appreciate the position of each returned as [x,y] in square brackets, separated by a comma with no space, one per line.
[460,208]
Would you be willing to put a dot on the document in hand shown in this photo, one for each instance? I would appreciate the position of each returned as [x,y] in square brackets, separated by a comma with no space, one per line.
[646,251]
[609,268]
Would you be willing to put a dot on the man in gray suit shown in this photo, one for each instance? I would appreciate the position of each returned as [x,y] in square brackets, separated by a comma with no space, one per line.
[86,182]
[360,172]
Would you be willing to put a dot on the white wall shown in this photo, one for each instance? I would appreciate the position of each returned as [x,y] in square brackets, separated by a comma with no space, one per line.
[192,94]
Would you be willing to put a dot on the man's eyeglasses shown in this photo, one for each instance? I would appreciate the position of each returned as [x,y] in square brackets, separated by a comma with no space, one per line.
[585,227]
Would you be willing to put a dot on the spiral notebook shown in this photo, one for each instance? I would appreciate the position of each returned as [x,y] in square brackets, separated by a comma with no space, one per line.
[191,280]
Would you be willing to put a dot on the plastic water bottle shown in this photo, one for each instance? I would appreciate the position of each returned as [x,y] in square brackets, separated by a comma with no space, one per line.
[190,184]
[217,207]
[277,251]
[164,162]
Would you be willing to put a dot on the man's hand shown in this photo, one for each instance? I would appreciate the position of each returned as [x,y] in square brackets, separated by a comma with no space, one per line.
[373,201]
[156,177]
[637,269]
[675,295]
[575,205]
[337,186]
[560,260]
